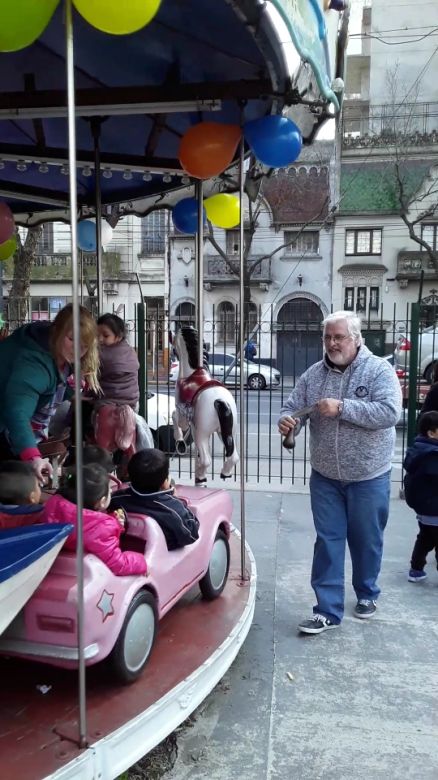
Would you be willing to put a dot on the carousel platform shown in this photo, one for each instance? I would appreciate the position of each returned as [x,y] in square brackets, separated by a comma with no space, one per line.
[197,643]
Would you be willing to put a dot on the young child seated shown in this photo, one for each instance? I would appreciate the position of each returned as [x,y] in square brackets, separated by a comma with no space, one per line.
[102,530]
[421,491]
[150,493]
[20,495]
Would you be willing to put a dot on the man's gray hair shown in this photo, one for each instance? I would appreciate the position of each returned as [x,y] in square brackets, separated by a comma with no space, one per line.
[352,320]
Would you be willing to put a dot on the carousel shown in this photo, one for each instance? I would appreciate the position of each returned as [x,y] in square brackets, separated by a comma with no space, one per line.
[107,108]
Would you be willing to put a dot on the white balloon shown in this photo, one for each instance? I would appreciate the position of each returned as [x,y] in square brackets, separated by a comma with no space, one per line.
[107,233]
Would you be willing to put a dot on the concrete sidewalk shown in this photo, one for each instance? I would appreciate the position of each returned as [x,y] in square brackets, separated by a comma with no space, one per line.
[358,703]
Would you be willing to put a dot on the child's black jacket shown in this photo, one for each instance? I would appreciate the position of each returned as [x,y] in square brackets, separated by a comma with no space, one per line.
[421,479]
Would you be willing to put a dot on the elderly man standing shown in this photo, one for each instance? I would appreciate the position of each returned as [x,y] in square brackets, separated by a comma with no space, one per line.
[356,402]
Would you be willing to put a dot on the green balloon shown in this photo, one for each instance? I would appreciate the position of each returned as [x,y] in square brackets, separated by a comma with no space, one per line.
[23,21]
[8,248]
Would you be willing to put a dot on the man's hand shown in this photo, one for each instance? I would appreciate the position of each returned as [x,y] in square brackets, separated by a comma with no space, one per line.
[329,407]
[287,424]
[43,469]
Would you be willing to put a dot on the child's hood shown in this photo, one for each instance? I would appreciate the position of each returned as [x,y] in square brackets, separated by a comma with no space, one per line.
[422,447]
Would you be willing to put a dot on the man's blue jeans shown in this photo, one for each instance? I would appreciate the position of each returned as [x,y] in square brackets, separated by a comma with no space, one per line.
[353,512]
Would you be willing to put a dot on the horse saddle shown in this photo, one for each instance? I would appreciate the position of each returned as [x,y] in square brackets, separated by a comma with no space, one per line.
[188,389]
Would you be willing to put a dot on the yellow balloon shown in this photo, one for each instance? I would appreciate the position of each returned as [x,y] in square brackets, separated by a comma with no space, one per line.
[223,210]
[23,21]
[118,17]
[8,248]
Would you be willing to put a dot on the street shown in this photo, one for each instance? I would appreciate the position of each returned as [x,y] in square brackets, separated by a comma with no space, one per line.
[266,460]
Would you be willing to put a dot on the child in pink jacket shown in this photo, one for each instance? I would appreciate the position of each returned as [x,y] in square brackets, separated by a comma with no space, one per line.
[102,530]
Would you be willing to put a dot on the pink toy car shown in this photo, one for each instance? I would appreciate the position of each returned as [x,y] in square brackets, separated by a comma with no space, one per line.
[122,613]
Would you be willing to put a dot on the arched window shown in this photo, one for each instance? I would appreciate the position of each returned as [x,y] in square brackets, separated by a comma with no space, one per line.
[184,314]
[301,313]
[226,324]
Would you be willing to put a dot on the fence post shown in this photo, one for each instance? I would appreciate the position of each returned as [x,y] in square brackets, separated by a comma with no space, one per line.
[141,347]
[413,372]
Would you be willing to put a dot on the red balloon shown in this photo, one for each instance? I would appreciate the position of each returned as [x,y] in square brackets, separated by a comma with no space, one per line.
[208,148]
[7,223]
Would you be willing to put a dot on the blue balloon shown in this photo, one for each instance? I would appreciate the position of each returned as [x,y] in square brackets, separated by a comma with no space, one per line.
[87,235]
[185,216]
[275,140]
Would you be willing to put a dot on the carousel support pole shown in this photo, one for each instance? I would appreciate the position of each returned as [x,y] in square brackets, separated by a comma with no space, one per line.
[95,130]
[243,574]
[77,367]
[200,273]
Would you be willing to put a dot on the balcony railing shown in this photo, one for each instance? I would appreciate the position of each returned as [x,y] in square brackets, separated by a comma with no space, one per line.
[411,264]
[414,124]
[216,270]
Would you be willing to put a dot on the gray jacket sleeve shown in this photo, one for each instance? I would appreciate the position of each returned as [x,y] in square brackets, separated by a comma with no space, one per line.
[384,408]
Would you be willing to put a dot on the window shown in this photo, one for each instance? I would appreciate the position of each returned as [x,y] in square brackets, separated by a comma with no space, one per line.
[349,299]
[361,299]
[45,239]
[47,308]
[374,298]
[429,233]
[363,242]
[226,331]
[233,241]
[305,242]
[153,228]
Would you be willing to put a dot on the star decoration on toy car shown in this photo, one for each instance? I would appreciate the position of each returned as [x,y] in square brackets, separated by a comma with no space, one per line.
[105,604]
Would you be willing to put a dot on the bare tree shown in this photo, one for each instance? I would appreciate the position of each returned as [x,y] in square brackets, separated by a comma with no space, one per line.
[24,259]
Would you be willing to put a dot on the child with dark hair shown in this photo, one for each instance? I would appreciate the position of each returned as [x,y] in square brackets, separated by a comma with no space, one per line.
[91,453]
[102,529]
[20,495]
[118,363]
[421,491]
[150,493]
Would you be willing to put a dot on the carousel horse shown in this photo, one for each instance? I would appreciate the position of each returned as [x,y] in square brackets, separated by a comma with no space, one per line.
[204,405]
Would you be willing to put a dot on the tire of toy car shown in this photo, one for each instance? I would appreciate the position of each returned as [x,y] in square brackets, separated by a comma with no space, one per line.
[256,382]
[215,579]
[136,639]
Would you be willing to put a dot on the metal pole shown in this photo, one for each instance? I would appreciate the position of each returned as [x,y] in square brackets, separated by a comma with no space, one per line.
[413,372]
[95,129]
[241,359]
[77,366]
[200,273]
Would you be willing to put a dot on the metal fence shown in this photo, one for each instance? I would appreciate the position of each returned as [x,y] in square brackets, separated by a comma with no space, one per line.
[286,349]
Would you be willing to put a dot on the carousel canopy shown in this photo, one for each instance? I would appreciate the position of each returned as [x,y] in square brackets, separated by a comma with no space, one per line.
[227,61]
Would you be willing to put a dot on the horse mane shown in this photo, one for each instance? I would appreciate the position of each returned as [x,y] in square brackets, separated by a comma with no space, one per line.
[190,336]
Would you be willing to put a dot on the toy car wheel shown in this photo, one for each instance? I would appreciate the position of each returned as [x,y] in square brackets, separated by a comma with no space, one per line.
[256,382]
[136,639]
[214,581]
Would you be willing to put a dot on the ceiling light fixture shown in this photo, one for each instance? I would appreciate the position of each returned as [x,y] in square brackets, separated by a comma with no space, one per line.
[115,109]
[86,171]
[167,178]
[127,174]
[107,173]
[43,168]
[147,177]
[64,170]
[21,165]
[185,180]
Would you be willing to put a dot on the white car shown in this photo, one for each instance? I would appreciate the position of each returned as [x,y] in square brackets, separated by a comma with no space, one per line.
[427,352]
[257,375]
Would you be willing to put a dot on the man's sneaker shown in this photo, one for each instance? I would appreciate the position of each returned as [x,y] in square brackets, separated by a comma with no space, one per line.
[316,625]
[416,575]
[365,608]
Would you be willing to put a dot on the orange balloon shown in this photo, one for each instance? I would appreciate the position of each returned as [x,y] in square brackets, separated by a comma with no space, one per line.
[208,148]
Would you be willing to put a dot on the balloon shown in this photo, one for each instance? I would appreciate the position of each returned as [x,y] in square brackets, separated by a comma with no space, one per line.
[208,148]
[223,210]
[7,224]
[87,236]
[23,21]
[185,215]
[118,17]
[275,140]
[106,233]
[8,248]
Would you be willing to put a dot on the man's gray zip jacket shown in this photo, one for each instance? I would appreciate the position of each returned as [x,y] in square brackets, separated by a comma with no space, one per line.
[358,444]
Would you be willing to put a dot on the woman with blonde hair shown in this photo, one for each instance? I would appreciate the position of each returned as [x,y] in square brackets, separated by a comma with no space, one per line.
[35,362]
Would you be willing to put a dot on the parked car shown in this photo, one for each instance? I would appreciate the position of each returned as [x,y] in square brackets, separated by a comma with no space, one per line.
[427,352]
[121,614]
[258,376]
